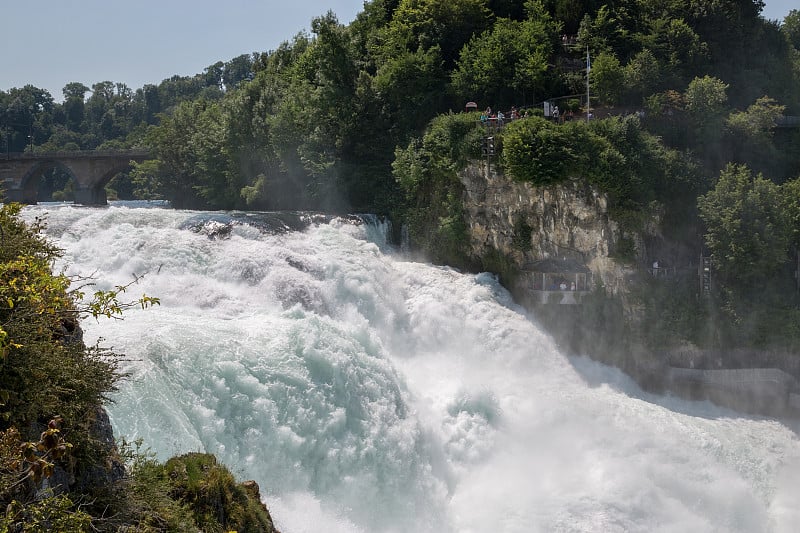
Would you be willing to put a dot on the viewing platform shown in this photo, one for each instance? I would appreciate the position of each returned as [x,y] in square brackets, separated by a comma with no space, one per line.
[555,281]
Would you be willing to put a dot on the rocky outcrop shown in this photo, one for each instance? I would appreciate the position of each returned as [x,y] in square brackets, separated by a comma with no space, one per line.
[527,224]
[217,501]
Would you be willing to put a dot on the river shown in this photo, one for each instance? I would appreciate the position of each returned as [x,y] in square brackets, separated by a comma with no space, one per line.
[365,392]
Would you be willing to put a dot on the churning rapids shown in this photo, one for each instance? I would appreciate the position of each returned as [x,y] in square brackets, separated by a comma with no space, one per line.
[368,393]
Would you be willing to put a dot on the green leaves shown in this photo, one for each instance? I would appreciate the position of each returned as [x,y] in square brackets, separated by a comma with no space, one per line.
[747,228]
[538,151]
[706,98]
[107,303]
[506,61]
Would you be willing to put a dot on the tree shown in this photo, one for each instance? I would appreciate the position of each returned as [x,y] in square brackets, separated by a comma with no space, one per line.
[75,90]
[677,47]
[750,135]
[510,59]
[791,28]
[411,86]
[747,228]
[193,166]
[237,70]
[607,78]
[791,203]
[26,114]
[320,114]
[642,75]
[705,100]
[428,23]
[608,31]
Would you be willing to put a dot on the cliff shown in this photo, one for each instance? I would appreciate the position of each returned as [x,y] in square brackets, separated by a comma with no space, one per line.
[535,237]
[567,222]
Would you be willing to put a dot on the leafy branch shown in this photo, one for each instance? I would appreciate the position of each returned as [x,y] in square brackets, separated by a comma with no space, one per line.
[107,303]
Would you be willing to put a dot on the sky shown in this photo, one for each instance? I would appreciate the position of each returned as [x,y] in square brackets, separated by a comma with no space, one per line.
[49,43]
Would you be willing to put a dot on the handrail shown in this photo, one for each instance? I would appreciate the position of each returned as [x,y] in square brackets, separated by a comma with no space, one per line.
[78,153]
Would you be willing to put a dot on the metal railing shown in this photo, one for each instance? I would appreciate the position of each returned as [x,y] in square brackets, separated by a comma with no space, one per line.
[74,154]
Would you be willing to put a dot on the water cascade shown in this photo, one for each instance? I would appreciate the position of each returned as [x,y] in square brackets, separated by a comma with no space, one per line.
[367,393]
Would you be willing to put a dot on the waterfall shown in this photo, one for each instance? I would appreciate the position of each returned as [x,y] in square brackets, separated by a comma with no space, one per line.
[365,392]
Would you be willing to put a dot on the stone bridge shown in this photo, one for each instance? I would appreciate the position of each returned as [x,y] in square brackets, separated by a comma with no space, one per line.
[90,170]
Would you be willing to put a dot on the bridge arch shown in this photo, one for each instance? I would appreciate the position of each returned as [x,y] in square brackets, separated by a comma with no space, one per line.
[32,179]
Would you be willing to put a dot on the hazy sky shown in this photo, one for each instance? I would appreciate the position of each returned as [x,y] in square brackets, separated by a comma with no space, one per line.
[49,43]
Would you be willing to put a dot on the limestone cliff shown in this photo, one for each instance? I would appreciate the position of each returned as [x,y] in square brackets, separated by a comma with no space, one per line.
[527,224]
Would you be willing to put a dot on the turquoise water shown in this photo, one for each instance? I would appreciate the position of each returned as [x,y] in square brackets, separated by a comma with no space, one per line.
[365,392]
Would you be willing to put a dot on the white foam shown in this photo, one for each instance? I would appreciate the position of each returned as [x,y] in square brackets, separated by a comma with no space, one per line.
[367,393]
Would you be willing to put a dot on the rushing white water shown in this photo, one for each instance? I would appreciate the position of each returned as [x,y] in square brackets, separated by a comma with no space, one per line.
[367,393]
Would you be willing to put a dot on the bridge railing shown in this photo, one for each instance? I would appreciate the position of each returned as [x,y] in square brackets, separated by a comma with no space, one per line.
[137,152]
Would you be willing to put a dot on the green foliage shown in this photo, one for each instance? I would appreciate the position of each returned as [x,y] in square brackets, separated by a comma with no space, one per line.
[23,465]
[53,513]
[750,136]
[758,122]
[192,161]
[676,47]
[747,229]
[428,23]
[608,78]
[673,313]
[791,28]
[46,370]
[507,60]
[541,152]
[217,502]
[315,123]
[409,83]
[145,180]
[47,373]
[706,98]
[148,494]
[791,205]
[427,172]
[188,493]
[624,161]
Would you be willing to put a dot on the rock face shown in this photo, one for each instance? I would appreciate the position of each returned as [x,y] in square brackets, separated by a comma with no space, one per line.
[569,223]
[528,224]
